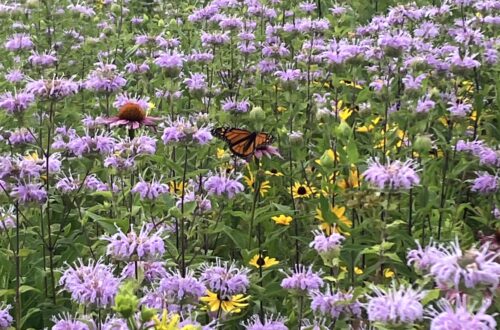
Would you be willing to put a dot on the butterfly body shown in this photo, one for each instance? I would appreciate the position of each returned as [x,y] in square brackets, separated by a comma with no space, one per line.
[243,143]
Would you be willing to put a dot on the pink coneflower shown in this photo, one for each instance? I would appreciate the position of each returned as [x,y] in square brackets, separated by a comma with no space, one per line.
[132,116]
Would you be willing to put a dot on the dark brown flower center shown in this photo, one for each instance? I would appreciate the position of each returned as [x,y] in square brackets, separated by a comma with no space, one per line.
[274,171]
[302,190]
[131,112]
[261,262]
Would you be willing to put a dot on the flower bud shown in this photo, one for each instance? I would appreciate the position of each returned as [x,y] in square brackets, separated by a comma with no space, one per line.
[296,137]
[257,113]
[327,160]
[343,129]
[422,144]
[126,301]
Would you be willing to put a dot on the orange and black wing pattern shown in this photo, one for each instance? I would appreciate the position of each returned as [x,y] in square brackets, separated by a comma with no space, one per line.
[242,142]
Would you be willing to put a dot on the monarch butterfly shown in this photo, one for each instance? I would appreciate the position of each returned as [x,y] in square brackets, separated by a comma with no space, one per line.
[242,142]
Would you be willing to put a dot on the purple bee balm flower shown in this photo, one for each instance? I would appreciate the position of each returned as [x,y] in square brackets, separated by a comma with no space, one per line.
[5,318]
[325,244]
[302,280]
[203,135]
[141,145]
[104,79]
[393,175]
[225,278]
[153,270]
[459,108]
[203,204]
[186,130]
[132,116]
[7,221]
[196,84]
[16,103]
[118,162]
[181,291]
[22,136]
[472,269]
[90,284]
[333,304]
[270,322]
[54,89]
[113,323]
[395,306]
[460,316]
[220,184]
[424,105]
[289,78]
[147,245]
[19,41]
[171,62]
[413,83]
[150,190]
[25,193]
[14,76]
[423,258]
[267,151]
[43,60]
[485,183]
[68,322]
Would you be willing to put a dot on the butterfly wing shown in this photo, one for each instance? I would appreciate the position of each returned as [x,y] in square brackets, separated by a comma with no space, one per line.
[242,142]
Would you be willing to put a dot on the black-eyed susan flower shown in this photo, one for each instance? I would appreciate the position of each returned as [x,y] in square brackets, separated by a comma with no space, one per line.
[273,172]
[259,261]
[250,181]
[339,212]
[357,270]
[230,304]
[282,219]
[301,190]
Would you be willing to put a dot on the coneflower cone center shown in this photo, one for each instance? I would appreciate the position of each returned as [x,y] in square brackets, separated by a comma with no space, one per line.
[301,191]
[131,112]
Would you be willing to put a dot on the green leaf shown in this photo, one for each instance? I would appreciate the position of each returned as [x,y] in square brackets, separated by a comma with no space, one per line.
[431,296]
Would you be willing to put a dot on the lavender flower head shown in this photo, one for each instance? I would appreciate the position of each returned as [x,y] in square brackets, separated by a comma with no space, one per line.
[114,323]
[147,245]
[485,183]
[323,243]
[393,175]
[186,130]
[67,322]
[7,219]
[26,193]
[150,190]
[105,78]
[302,280]
[53,89]
[153,270]
[225,278]
[19,41]
[16,103]
[460,316]
[171,62]
[6,319]
[90,284]
[177,292]
[223,184]
[423,258]
[334,304]
[270,323]
[472,269]
[395,306]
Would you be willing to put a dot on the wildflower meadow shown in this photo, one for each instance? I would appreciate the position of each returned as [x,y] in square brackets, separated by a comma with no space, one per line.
[249,164]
